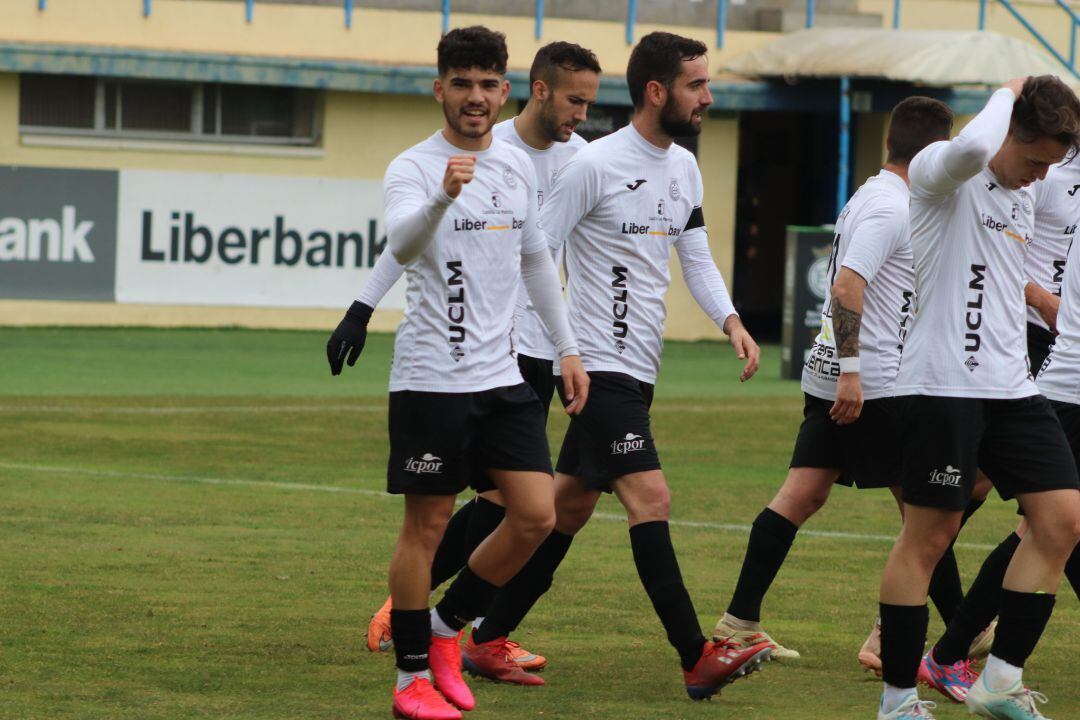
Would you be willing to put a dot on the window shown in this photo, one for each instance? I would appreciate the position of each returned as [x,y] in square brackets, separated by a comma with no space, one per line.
[157,109]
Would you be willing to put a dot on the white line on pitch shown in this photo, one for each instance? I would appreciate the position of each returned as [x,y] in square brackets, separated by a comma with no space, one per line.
[306,487]
[189,409]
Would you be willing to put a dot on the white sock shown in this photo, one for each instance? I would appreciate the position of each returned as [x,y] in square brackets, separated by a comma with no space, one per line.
[439,628]
[894,697]
[476,622]
[405,679]
[1000,675]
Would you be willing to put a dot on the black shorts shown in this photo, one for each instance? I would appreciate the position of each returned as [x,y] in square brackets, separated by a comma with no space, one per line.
[611,437]
[537,372]
[1039,341]
[865,452]
[1019,444]
[441,443]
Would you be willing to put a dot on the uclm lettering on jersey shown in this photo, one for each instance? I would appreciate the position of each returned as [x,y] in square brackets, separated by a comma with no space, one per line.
[974,317]
[63,240]
[455,309]
[191,242]
[620,307]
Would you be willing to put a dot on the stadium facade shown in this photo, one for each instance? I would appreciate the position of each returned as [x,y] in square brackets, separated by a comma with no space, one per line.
[218,162]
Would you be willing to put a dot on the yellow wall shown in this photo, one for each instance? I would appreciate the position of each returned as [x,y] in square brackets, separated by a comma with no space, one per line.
[384,36]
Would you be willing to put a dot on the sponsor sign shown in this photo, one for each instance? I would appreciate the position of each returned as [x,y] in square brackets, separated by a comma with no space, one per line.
[203,239]
[57,233]
[805,282]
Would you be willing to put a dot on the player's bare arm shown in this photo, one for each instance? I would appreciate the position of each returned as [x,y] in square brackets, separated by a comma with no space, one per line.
[1044,302]
[847,307]
[745,346]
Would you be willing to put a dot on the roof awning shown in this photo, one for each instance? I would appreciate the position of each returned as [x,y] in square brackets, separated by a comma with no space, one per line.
[942,58]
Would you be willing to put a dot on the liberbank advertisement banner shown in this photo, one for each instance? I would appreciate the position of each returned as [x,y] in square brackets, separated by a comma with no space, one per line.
[138,236]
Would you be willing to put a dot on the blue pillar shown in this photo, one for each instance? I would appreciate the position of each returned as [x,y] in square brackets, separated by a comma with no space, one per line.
[40,4]
[146,8]
[631,18]
[249,10]
[896,15]
[810,4]
[721,21]
[845,144]
[348,14]
[539,18]
[982,14]
[445,16]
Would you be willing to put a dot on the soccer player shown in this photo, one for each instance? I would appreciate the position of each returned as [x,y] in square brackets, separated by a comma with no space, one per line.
[461,216]
[968,399]
[620,205]
[564,81]
[849,418]
[1057,212]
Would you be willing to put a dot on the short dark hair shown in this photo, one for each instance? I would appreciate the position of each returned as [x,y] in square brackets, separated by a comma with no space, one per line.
[916,122]
[1047,108]
[561,56]
[472,47]
[659,56]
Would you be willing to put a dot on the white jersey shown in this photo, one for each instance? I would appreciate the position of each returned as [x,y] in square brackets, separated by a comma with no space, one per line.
[969,239]
[532,336]
[456,335]
[1059,378]
[620,204]
[872,239]
[1057,212]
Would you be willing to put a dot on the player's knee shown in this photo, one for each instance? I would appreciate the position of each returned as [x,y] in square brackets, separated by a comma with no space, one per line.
[571,518]
[534,525]
[648,504]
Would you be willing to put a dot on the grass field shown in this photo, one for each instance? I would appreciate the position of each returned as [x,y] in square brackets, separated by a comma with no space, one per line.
[192,525]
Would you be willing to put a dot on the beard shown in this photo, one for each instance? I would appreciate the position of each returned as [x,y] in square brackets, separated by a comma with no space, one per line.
[676,126]
[550,126]
[454,118]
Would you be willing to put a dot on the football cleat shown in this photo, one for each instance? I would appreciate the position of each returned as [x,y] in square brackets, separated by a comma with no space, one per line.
[952,681]
[722,663]
[980,646]
[747,634]
[379,638]
[911,709]
[493,661]
[870,652]
[445,660]
[1016,703]
[525,659]
[421,701]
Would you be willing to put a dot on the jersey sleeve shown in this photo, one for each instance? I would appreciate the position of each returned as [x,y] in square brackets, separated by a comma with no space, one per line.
[411,210]
[578,189]
[532,237]
[386,272]
[875,238]
[699,270]
[944,166]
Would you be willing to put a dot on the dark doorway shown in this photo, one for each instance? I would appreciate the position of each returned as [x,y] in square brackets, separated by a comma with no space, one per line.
[787,176]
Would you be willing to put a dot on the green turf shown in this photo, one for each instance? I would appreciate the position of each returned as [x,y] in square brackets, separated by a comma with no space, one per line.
[190,527]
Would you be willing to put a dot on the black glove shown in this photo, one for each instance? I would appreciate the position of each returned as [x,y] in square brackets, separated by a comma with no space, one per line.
[349,337]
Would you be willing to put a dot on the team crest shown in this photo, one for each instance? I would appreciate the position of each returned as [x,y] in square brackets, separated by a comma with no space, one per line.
[508,177]
[673,189]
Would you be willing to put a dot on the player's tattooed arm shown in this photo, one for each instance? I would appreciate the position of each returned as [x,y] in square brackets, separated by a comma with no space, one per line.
[847,308]
[846,324]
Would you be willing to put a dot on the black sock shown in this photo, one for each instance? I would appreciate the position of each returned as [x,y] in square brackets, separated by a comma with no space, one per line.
[1072,570]
[468,596]
[980,605]
[451,556]
[476,519]
[946,592]
[514,599]
[411,630]
[1021,622]
[903,634]
[659,572]
[770,539]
